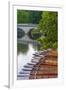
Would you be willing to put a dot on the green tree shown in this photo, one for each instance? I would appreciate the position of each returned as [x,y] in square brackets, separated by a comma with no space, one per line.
[22,16]
[49,27]
[35,16]
[25,16]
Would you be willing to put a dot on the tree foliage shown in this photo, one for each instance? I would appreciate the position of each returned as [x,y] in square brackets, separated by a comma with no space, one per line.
[25,16]
[48,25]
[22,16]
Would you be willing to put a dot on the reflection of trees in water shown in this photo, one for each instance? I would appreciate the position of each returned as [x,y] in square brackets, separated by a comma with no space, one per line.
[22,48]
[36,46]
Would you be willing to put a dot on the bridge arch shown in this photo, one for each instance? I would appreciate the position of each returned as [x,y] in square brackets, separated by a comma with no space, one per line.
[20,33]
[26,27]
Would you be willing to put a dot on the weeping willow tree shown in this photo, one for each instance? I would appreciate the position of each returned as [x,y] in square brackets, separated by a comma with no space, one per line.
[48,26]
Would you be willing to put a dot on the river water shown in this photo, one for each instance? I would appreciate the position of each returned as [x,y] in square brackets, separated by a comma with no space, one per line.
[25,54]
[25,50]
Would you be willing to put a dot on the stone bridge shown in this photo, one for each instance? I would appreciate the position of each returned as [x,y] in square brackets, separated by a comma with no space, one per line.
[26,27]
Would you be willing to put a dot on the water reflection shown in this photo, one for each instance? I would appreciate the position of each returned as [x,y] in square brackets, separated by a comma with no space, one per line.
[23,48]
[25,54]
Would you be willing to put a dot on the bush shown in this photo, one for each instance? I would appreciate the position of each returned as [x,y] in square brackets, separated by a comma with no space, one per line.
[55,45]
[48,25]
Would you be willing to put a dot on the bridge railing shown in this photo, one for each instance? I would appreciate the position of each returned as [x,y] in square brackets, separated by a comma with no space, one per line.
[27,25]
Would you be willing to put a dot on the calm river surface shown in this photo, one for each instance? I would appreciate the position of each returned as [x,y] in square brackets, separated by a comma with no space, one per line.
[25,54]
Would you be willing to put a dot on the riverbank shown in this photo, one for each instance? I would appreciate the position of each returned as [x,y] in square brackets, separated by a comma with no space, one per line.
[46,67]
